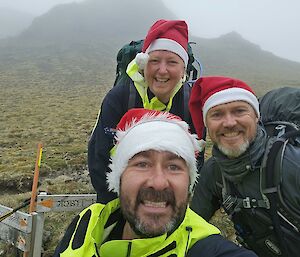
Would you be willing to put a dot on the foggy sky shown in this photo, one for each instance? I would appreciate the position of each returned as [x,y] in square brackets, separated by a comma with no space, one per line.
[272,24]
[36,7]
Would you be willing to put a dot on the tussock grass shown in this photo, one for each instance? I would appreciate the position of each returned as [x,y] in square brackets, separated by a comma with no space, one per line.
[61,119]
[59,115]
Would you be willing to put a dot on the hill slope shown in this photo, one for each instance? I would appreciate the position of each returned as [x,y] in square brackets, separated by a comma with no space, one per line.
[78,42]
[96,20]
[235,56]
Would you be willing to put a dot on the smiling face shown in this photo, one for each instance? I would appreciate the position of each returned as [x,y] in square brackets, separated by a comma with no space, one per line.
[154,193]
[162,73]
[232,127]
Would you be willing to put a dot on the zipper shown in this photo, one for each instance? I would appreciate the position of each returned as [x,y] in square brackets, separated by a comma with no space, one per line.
[129,249]
[189,230]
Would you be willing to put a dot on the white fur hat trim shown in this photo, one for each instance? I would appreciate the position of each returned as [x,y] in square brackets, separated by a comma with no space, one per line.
[156,134]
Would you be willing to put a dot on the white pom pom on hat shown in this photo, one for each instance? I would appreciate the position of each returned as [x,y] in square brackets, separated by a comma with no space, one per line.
[141,60]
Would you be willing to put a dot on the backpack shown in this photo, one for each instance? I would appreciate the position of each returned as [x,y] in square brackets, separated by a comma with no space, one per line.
[280,116]
[280,112]
[128,52]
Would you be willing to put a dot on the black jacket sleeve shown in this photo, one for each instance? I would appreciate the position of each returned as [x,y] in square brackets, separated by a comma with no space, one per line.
[208,192]
[217,246]
[113,107]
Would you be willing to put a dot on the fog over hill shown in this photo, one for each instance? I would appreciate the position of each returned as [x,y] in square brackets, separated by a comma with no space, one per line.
[88,34]
[13,22]
[96,20]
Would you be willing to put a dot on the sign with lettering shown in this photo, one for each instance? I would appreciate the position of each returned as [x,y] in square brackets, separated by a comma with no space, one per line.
[59,203]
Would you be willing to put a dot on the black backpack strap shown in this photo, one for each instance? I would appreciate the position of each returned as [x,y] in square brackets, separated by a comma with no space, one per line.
[233,201]
[187,87]
[117,75]
[273,171]
[274,166]
[132,95]
[273,189]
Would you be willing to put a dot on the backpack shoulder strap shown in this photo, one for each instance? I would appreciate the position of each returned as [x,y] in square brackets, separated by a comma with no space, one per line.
[132,95]
[272,172]
[187,87]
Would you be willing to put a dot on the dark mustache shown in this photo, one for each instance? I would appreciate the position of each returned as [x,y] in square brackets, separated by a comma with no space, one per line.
[230,130]
[152,195]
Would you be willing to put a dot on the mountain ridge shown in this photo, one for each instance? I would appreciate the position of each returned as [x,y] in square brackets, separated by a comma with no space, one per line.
[88,35]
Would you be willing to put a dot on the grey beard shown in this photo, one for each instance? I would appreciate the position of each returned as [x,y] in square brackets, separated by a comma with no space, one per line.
[234,153]
[235,169]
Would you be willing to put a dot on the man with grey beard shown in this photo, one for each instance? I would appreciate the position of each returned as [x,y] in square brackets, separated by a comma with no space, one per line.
[153,171]
[233,177]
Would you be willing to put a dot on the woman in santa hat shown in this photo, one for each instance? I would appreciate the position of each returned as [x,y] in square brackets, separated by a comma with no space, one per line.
[157,77]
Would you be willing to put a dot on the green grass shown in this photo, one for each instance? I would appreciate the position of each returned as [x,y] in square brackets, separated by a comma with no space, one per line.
[61,119]
[59,115]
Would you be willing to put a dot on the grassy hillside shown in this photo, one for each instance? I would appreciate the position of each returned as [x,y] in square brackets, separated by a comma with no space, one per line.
[61,117]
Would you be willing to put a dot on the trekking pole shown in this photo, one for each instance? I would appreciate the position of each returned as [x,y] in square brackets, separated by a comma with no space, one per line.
[36,178]
[32,206]
[6,215]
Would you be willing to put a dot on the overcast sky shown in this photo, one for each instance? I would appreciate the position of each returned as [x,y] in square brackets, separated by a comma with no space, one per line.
[272,24]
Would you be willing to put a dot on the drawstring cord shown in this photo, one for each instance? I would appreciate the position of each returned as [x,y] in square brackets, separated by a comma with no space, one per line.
[189,230]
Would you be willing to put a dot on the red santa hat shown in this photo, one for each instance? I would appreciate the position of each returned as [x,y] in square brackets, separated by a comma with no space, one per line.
[208,92]
[170,35]
[142,130]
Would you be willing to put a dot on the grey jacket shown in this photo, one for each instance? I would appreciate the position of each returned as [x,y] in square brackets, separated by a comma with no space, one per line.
[253,225]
